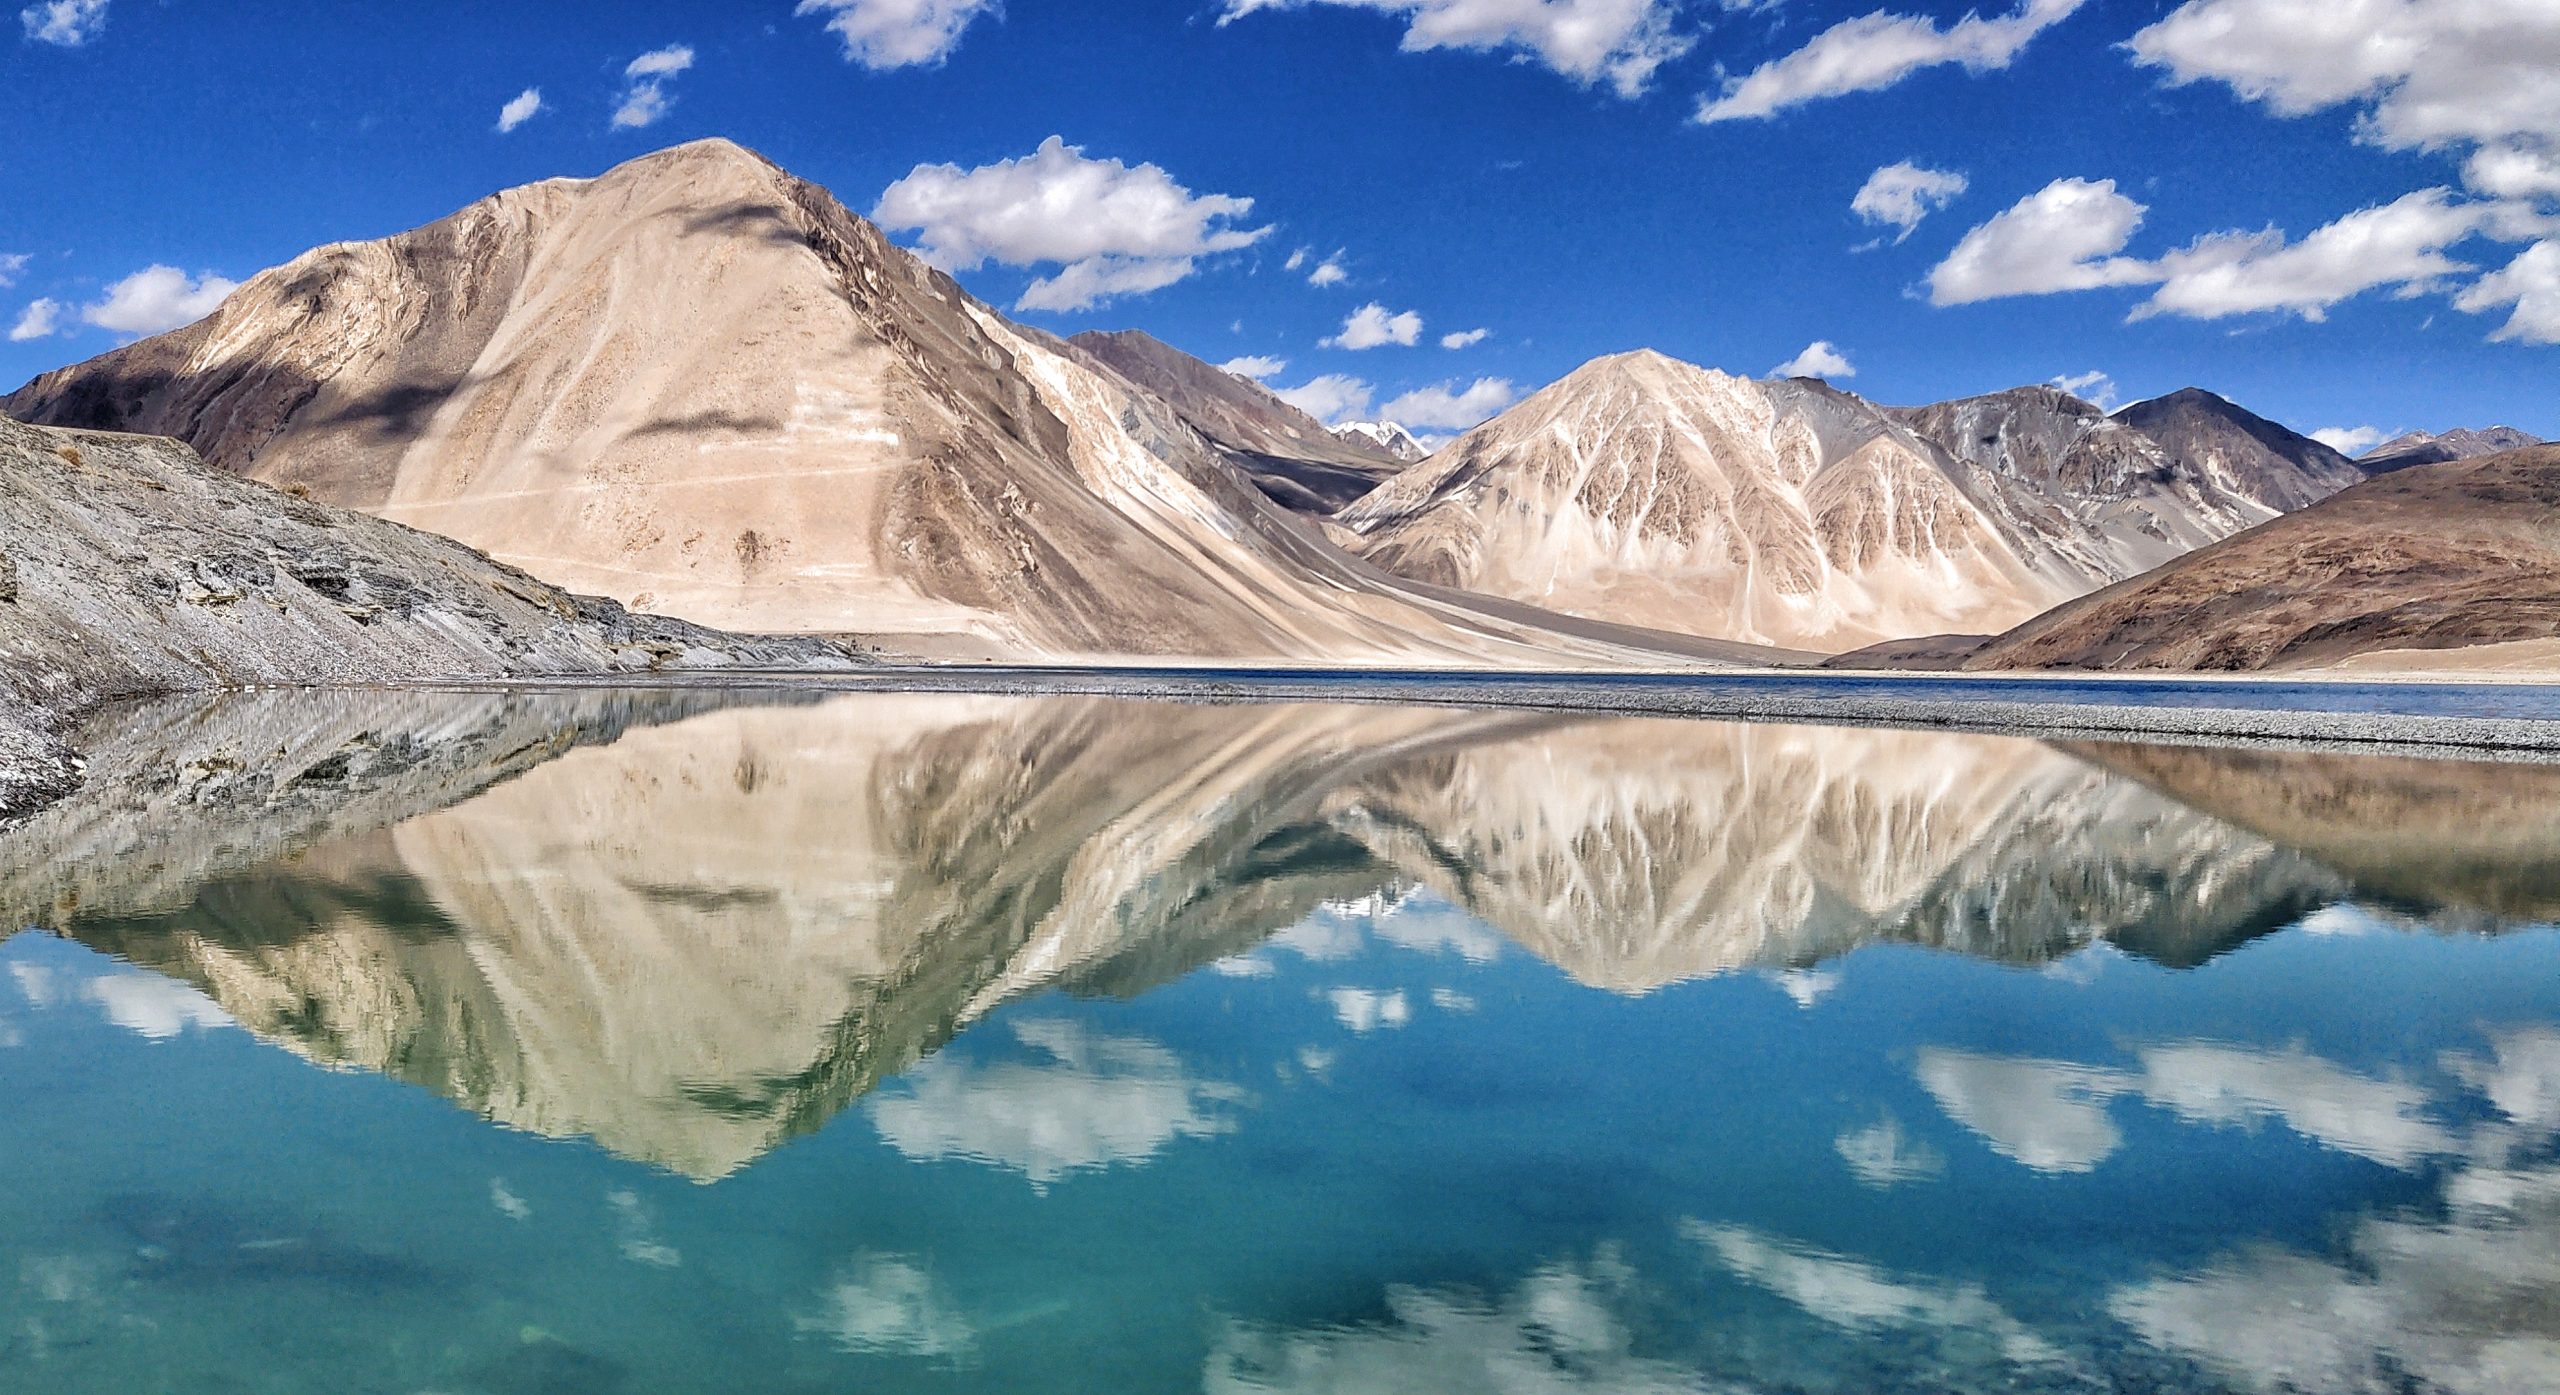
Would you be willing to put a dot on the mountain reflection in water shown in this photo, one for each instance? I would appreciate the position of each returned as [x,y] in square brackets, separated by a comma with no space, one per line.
[1267,1049]
[692,928]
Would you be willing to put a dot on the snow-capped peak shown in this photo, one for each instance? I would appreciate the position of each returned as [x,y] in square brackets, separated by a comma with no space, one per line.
[1386,436]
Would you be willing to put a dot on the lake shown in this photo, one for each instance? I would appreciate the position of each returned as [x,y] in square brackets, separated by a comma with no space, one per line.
[490,1044]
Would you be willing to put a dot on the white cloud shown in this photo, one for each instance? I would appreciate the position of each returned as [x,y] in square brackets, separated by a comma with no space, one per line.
[1444,406]
[1901,194]
[1297,259]
[1366,1010]
[2383,1121]
[2429,74]
[2399,244]
[1255,366]
[1373,325]
[1880,1156]
[41,319]
[69,23]
[2063,237]
[1329,273]
[1876,51]
[2093,387]
[1820,359]
[2049,1115]
[1566,1329]
[1095,1101]
[2351,440]
[1859,1297]
[1114,229]
[889,1304]
[1620,41]
[157,299]
[12,266]
[1465,338]
[526,106]
[1330,398]
[883,34]
[644,92]
[155,1007]
[2530,283]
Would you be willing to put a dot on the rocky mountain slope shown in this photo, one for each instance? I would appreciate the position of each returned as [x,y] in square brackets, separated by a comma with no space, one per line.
[2240,452]
[127,566]
[2448,564]
[1649,491]
[705,388]
[2428,448]
[1386,436]
[1289,455]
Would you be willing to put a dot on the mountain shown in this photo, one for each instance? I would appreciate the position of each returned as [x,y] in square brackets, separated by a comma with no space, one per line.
[1289,455]
[128,567]
[2452,565]
[1385,436]
[2427,448]
[2240,451]
[705,388]
[1648,491]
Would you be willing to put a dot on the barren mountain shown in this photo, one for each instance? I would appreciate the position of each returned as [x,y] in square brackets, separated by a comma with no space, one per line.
[128,567]
[2241,452]
[705,388]
[2428,448]
[1289,455]
[1645,490]
[1385,436]
[2453,564]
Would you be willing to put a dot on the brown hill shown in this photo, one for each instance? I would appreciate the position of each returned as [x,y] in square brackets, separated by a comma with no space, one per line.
[1289,455]
[2434,559]
[704,388]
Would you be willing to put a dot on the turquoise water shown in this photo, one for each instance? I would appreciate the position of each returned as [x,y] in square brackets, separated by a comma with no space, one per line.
[582,1045]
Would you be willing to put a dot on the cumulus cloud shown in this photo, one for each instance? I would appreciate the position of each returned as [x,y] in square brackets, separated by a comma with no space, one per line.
[644,86]
[40,319]
[526,106]
[157,299]
[1465,338]
[1373,325]
[2351,441]
[2063,237]
[1329,272]
[2530,283]
[2427,74]
[68,23]
[1620,42]
[1114,229]
[1330,398]
[1876,51]
[2093,387]
[2050,1116]
[2400,244]
[884,34]
[1820,359]
[154,1007]
[1447,407]
[1092,1101]
[1901,194]
[890,1305]
[1858,1297]
[1256,366]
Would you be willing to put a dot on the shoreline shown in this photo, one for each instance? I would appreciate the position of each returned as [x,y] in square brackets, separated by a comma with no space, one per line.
[1837,699]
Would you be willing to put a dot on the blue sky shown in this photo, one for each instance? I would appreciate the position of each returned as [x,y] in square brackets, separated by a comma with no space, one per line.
[1536,169]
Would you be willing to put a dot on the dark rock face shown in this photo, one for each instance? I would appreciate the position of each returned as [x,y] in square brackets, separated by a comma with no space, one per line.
[2438,557]
[2274,465]
[132,568]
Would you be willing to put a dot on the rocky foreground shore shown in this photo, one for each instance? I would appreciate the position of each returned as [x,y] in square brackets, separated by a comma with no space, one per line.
[128,567]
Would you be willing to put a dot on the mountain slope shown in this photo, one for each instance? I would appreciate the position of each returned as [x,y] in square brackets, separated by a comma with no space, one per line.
[2240,451]
[1289,455]
[2428,448]
[128,567]
[1387,436]
[2434,559]
[705,388]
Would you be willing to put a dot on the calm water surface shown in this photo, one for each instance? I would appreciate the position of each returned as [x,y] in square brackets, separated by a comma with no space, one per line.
[634,1043]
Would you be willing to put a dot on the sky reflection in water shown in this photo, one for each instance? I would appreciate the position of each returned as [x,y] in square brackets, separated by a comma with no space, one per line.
[1070,1044]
